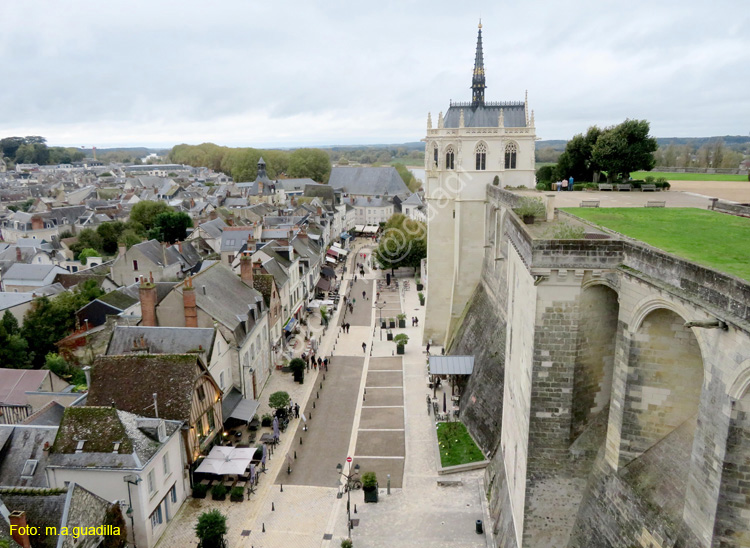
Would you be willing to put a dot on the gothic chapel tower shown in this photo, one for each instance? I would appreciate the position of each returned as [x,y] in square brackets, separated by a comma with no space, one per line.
[472,144]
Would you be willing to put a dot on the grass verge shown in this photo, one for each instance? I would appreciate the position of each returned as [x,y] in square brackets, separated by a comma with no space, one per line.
[455,444]
[672,176]
[709,238]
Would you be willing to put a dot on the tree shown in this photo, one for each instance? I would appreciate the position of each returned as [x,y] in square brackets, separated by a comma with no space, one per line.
[115,518]
[407,176]
[86,253]
[10,145]
[279,400]
[625,148]
[110,234]
[87,239]
[129,238]
[144,213]
[577,159]
[170,226]
[310,162]
[403,244]
[211,528]
[13,347]
[10,323]
[297,366]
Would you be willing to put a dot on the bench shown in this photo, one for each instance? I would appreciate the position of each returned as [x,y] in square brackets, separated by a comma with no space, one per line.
[590,203]
[647,187]
[605,186]
[654,203]
[624,186]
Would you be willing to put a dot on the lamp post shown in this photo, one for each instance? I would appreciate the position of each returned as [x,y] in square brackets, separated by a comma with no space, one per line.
[348,477]
[380,306]
[131,479]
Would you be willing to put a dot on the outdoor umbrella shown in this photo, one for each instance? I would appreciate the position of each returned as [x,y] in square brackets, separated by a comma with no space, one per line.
[265,455]
[276,427]
[226,460]
[252,473]
[445,407]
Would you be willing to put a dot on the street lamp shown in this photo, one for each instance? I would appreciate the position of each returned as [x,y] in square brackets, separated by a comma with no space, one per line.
[348,477]
[380,307]
[131,479]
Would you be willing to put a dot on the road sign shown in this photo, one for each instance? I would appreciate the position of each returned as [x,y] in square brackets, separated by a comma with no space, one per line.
[348,459]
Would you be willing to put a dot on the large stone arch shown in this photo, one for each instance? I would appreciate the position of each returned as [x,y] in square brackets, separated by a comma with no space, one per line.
[595,353]
[665,375]
[732,525]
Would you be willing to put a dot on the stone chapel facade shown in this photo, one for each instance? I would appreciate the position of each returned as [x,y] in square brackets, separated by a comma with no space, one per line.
[474,143]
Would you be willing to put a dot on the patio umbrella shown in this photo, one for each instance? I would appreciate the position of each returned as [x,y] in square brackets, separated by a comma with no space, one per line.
[265,455]
[445,406]
[226,460]
[276,427]
[252,473]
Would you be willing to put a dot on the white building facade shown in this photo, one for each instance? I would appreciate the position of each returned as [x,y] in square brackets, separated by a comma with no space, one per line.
[475,144]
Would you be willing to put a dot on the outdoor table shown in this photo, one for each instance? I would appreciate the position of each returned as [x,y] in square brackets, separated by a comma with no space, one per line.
[205,482]
[267,438]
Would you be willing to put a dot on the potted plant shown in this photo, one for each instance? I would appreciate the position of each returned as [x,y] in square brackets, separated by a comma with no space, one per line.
[200,490]
[383,324]
[370,486]
[346,543]
[401,320]
[420,286]
[392,323]
[237,494]
[266,420]
[401,339]
[530,208]
[421,298]
[389,335]
[297,366]
[219,492]
[210,529]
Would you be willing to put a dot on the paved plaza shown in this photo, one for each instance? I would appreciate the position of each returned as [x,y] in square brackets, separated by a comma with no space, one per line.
[371,407]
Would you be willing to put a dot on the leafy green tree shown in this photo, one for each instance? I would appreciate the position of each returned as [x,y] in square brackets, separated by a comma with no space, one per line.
[403,244]
[297,366]
[110,234]
[10,145]
[625,148]
[87,239]
[171,226]
[129,238]
[577,159]
[211,528]
[50,320]
[407,176]
[10,323]
[279,400]
[144,213]
[310,162]
[60,367]
[86,253]
[13,347]
[25,154]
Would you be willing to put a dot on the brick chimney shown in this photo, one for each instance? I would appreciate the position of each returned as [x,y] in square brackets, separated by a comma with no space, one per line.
[37,223]
[147,294]
[188,301]
[320,211]
[121,249]
[258,267]
[18,518]
[246,268]
[18,254]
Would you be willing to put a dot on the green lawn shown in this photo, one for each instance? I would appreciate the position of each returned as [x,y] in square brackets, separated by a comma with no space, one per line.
[709,238]
[455,444]
[688,176]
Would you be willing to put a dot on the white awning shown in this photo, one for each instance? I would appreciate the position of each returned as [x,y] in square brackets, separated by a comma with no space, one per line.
[223,460]
[371,229]
[359,228]
[339,250]
[330,260]
[451,365]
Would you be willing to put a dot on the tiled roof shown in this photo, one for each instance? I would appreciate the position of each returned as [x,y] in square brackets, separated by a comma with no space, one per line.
[161,340]
[368,181]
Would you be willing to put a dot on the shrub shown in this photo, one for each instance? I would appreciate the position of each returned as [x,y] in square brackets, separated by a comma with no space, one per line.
[577,186]
[266,420]
[421,298]
[199,491]
[531,206]
[237,494]
[218,490]
[369,480]
[496,181]
[567,231]
[546,174]
[211,528]
[593,186]
[298,369]
[649,179]
[401,339]
[346,543]
[542,186]
[401,316]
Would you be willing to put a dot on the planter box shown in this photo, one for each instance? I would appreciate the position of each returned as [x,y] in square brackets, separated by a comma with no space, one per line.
[236,499]
[222,497]
[392,325]
[402,323]
[400,349]
[420,287]
[421,302]
[389,335]
[199,495]
[383,325]
[371,495]
[528,219]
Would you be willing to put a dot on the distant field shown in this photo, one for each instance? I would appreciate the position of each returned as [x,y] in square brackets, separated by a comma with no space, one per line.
[709,238]
[688,176]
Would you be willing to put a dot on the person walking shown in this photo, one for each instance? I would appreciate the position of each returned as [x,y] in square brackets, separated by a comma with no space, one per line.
[364,295]
[348,325]
[364,347]
[320,361]
[355,277]
[428,349]
[296,410]
[325,363]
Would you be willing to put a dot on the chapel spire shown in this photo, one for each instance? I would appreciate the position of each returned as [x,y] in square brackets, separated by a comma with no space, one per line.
[477,82]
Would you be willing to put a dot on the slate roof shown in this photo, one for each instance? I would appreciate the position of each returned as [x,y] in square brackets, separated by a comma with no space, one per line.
[235,240]
[221,294]
[42,511]
[161,340]
[130,381]
[19,443]
[162,290]
[14,383]
[213,228]
[65,215]
[371,202]
[296,185]
[413,200]
[31,272]
[514,115]
[368,181]
[49,415]
[118,299]
[96,313]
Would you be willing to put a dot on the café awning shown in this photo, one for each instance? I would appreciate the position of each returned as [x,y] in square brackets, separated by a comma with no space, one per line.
[330,260]
[323,284]
[328,271]
[245,410]
[451,365]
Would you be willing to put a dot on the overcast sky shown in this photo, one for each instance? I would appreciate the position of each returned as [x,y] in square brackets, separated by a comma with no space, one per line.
[299,72]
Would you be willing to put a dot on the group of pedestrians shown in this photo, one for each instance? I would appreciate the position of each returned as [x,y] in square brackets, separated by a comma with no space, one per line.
[564,184]
[315,363]
[345,327]
[414,321]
